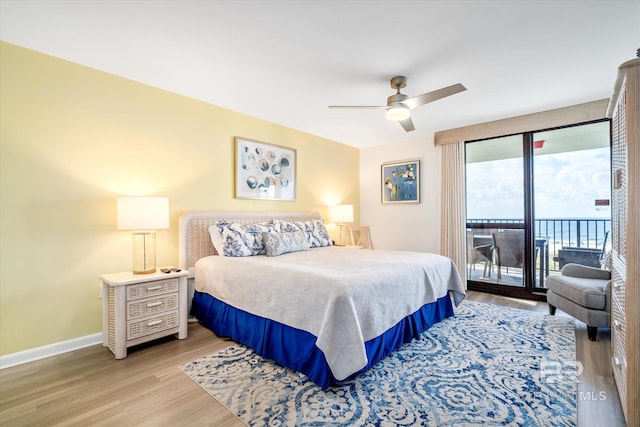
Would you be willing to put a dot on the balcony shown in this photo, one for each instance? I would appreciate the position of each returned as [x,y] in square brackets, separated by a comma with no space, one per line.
[558,242]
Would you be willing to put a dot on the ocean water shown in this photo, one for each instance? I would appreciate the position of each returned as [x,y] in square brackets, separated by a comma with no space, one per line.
[561,232]
[587,233]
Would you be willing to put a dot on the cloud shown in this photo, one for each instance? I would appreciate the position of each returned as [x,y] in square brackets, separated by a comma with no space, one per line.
[566,186]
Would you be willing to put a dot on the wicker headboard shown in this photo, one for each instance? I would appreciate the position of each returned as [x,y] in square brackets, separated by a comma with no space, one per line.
[194,239]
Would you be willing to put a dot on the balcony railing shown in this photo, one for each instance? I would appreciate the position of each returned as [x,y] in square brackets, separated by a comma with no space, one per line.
[563,232]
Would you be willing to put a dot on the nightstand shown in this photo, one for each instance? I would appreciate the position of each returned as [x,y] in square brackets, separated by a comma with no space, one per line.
[142,307]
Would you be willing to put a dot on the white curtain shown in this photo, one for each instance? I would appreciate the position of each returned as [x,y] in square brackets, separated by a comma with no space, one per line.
[453,216]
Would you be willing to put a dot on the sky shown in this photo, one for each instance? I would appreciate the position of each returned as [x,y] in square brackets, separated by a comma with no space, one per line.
[566,186]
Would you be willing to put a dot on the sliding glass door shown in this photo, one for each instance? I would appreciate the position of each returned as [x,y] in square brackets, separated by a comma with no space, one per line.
[527,195]
[496,213]
[572,190]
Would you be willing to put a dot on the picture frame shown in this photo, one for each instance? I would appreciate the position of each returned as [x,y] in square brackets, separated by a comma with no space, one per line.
[400,182]
[264,171]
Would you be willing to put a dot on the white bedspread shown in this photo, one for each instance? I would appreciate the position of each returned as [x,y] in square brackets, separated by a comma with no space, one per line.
[343,296]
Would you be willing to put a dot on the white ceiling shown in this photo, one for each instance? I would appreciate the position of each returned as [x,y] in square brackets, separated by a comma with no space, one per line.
[286,61]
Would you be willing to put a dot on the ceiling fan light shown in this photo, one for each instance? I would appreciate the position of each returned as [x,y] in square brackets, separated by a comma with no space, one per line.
[398,112]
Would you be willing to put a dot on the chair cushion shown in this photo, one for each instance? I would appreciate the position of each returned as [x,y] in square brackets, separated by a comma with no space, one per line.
[589,293]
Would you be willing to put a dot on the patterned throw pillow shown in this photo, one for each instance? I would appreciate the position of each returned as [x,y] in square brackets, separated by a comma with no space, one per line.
[235,240]
[282,243]
[316,231]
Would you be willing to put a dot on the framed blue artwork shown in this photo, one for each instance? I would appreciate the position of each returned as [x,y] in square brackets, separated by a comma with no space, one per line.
[264,171]
[401,182]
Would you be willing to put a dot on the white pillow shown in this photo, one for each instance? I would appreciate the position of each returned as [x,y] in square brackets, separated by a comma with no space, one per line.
[316,231]
[283,243]
[236,240]
[216,238]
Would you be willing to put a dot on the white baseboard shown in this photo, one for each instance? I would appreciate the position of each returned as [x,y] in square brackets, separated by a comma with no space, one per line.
[49,350]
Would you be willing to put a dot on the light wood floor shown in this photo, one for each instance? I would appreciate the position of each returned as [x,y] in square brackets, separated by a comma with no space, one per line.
[90,387]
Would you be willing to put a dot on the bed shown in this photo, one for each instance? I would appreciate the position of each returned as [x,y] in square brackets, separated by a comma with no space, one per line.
[328,312]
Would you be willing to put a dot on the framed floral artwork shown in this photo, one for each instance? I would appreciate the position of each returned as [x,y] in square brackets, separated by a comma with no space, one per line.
[264,171]
[400,182]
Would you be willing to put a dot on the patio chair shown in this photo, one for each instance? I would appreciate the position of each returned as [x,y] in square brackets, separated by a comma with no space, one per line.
[361,236]
[508,248]
[591,257]
[477,253]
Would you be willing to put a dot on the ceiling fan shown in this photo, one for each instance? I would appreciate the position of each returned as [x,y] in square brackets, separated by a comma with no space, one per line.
[399,105]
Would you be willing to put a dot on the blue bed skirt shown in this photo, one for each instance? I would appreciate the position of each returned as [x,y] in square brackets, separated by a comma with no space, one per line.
[296,349]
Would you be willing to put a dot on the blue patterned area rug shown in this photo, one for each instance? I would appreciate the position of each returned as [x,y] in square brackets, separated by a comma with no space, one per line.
[488,365]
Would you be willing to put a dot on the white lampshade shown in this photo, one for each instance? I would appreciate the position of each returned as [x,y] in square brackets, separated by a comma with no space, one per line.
[341,214]
[144,214]
[398,112]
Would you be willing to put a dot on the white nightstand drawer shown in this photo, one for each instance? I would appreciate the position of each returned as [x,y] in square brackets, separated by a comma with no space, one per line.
[149,289]
[148,326]
[150,306]
[140,308]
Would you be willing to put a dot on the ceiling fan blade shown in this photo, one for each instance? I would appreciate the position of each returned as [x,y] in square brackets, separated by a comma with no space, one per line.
[361,107]
[425,98]
[407,124]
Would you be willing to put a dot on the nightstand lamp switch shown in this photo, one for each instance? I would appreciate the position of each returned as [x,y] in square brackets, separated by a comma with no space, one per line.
[144,215]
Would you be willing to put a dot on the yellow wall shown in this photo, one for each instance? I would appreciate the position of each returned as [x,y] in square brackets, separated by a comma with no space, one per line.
[72,140]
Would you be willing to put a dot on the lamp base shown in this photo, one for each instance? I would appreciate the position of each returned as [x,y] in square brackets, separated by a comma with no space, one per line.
[340,241]
[144,252]
[144,272]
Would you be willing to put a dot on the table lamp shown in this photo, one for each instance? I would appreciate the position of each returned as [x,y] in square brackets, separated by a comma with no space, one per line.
[340,214]
[144,215]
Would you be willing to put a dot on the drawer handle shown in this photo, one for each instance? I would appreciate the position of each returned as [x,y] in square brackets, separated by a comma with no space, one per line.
[154,288]
[154,323]
[154,304]
[617,324]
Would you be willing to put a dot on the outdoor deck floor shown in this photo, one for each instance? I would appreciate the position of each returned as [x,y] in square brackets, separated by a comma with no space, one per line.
[512,277]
